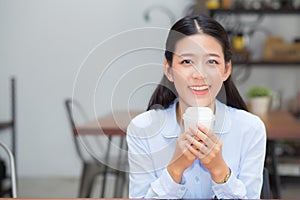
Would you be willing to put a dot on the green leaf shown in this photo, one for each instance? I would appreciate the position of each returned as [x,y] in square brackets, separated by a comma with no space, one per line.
[258,91]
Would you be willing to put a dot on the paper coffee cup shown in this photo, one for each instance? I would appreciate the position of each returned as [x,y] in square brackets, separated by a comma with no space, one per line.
[198,115]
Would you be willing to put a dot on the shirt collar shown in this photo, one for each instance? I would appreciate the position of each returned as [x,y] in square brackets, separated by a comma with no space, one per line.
[222,121]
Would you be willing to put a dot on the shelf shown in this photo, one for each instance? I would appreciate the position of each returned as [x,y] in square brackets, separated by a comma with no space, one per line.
[239,61]
[265,63]
[289,166]
[253,11]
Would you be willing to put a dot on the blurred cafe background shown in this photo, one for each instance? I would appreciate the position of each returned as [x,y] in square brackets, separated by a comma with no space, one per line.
[108,55]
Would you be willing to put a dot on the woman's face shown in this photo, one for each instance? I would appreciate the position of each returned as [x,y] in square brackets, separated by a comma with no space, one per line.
[198,70]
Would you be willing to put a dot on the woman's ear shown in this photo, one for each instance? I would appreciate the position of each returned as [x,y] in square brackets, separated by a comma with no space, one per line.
[228,70]
[168,71]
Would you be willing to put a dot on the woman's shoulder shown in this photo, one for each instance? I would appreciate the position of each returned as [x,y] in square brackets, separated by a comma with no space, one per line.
[154,116]
[147,118]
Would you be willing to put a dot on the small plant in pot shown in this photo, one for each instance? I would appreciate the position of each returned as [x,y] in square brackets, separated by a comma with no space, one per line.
[259,99]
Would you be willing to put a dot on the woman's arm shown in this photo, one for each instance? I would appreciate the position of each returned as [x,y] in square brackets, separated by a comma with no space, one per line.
[144,180]
[247,183]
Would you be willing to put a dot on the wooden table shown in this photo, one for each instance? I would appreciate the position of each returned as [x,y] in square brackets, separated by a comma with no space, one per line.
[279,125]
[114,123]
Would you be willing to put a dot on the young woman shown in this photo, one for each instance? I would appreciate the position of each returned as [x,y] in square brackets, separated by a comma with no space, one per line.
[225,161]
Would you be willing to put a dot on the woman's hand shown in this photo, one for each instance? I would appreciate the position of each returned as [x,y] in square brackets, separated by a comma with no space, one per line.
[205,145]
[182,157]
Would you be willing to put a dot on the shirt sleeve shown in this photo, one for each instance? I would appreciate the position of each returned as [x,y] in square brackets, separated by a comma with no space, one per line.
[143,179]
[248,182]
[165,188]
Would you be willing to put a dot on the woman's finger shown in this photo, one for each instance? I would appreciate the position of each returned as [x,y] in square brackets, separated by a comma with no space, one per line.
[203,137]
[198,145]
[191,140]
[197,152]
[208,132]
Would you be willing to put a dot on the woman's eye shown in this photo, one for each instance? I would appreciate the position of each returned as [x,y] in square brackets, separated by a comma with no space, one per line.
[213,62]
[187,61]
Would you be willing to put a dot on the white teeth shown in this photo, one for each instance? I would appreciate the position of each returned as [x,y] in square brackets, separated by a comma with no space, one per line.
[205,87]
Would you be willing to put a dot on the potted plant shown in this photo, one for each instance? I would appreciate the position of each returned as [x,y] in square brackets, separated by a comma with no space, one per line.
[259,99]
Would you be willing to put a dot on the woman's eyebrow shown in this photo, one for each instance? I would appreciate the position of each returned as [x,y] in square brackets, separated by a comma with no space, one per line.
[213,54]
[185,54]
[192,54]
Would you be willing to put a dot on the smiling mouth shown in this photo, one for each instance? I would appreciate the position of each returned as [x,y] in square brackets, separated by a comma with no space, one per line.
[199,88]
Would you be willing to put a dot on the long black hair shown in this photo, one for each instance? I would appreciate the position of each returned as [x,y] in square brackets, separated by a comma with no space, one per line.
[165,93]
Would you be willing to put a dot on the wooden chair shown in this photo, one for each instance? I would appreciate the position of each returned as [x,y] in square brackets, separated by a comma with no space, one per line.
[93,166]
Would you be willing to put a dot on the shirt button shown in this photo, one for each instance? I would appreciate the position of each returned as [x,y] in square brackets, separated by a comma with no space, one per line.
[182,188]
[197,179]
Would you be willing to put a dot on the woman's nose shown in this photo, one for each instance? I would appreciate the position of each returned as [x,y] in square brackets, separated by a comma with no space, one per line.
[199,72]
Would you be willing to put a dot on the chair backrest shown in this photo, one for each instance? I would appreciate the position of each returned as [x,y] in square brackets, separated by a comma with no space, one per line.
[87,146]
[13,169]
[265,191]
[69,104]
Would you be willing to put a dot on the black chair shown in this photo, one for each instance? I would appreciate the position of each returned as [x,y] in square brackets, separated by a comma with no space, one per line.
[265,191]
[12,169]
[94,165]
[6,189]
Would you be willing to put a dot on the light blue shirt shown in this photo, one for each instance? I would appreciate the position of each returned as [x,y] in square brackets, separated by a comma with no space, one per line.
[152,136]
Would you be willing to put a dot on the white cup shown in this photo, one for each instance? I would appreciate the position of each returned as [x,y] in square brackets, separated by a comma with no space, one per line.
[198,115]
